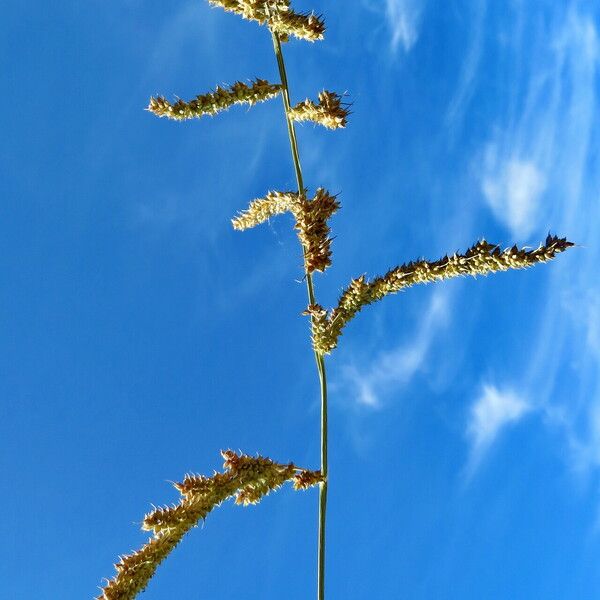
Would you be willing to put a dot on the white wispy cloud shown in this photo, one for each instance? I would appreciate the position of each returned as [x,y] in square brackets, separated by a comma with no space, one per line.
[184,27]
[592,322]
[537,175]
[491,413]
[578,415]
[392,369]
[404,18]
[566,344]
[541,141]
[469,71]
[513,189]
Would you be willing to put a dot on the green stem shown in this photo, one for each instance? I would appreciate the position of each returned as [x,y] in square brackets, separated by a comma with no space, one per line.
[311,299]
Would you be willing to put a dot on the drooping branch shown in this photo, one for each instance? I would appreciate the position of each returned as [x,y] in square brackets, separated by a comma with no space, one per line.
[246,478]
[480,259]
[211,103]
[262,209]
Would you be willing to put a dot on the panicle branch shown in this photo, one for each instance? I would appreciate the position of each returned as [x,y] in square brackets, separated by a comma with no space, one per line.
[246,478]
[480,259]
[278,16]
[262,209]
[329,112]
[214,102]
[311,221]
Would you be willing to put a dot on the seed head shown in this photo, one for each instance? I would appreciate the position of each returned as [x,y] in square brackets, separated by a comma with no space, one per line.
[306,479]
[329,112]
[278,16]
[303,26]
[214,102]
[246,478]
[311,221]
[480,259]
[262,209]
[313,230]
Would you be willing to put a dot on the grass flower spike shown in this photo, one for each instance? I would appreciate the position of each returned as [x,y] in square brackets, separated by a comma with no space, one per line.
[313,230]
[480,259]
[307,27]
[246,478]
[262,209]
[214,102]
[311,221]
[278,16]
[329,112]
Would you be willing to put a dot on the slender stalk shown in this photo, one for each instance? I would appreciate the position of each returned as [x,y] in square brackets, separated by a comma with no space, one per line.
[311,299]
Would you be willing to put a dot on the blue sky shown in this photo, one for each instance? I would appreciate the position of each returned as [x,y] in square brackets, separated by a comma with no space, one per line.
[141,334]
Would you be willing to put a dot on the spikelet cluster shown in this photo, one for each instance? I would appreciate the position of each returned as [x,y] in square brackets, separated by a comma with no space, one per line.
[214,102]
[306,479]
[311,221]
[262,209]
[313,230]
[246,478]
[329,112]
[278,16]
[480,259]
[253,10]
[304,26]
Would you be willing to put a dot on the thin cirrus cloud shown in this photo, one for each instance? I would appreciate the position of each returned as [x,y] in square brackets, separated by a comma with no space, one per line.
[392,369]
[536,176]
[493,411]
[569,321]
[470,67]
[403,18]
[550,109]
[513,188]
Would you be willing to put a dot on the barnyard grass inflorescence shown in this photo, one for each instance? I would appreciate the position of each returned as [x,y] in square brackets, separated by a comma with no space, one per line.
[211,103]
[248,479]
[481,259]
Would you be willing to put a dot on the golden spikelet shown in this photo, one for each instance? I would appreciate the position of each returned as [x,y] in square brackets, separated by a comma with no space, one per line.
[253,10]
[271,479]
[247,478]
[329,112]
[313,230]
[214,102]
[307,479]
[311,221]
[136,569]
[278,16]
[262,209]
[304,26]
[324,336]
[480,259]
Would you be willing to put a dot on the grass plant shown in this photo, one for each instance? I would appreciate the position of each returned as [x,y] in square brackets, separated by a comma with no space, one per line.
[248,479]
